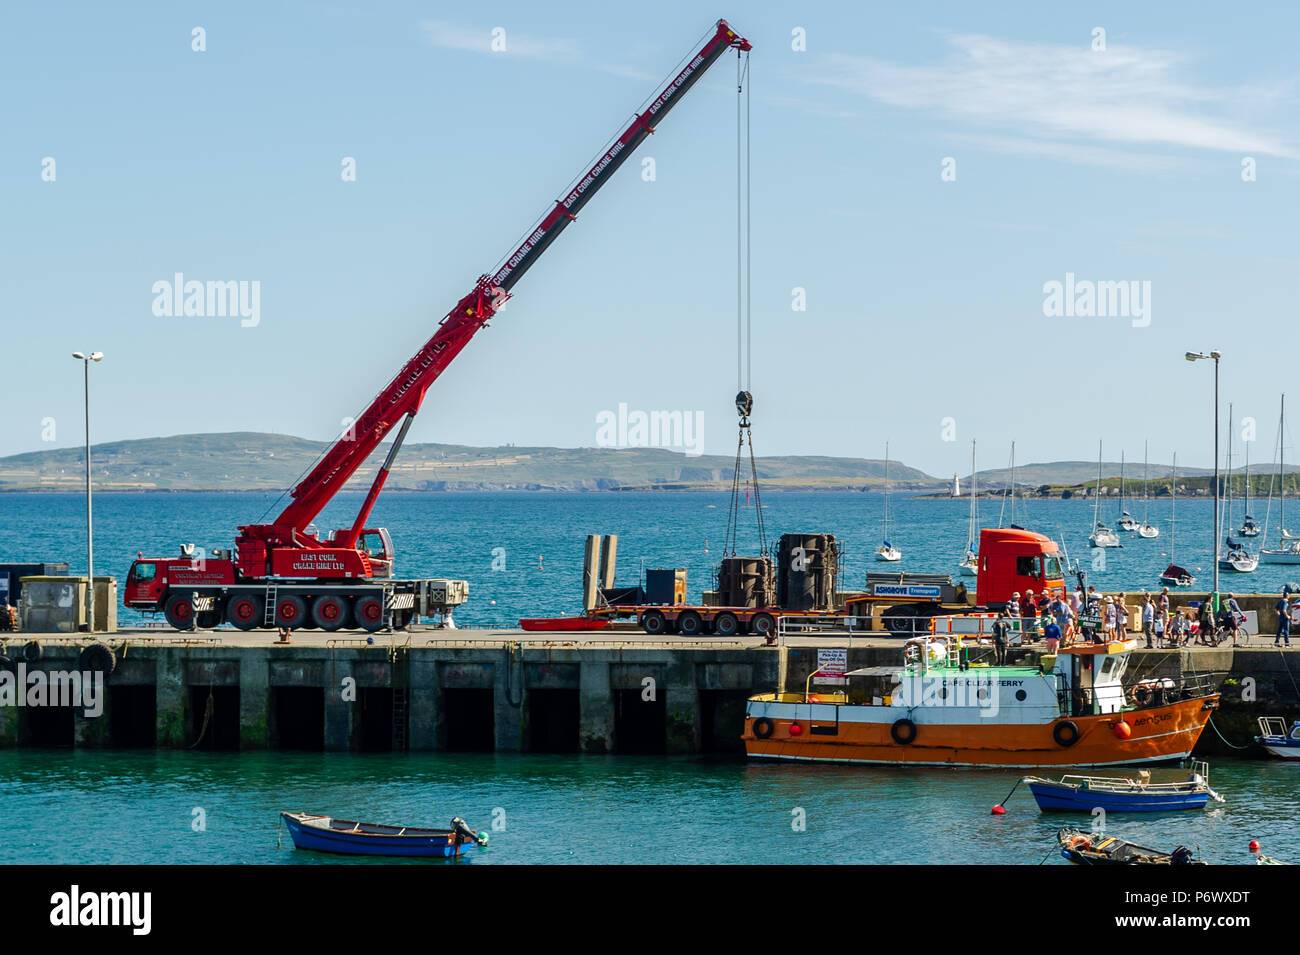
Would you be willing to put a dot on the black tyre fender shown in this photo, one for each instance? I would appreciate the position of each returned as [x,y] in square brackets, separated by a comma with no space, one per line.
[763,727]
[653,622]
[690,623]
[97,658]
[903,732]
[32,651]
[1066,733]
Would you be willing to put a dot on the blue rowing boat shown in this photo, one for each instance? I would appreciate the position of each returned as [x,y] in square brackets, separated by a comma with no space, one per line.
[1123,794]
[327,834]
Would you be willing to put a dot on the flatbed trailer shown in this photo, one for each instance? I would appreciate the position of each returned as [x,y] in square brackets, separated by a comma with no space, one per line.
[692,619]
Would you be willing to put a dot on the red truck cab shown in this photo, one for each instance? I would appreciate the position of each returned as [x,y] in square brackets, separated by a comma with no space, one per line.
[1014,560]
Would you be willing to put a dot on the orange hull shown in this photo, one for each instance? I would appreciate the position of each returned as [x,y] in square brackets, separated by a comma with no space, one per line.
[1157,733]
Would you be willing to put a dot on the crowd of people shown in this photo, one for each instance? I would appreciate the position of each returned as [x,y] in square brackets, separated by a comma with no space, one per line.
[1056,618]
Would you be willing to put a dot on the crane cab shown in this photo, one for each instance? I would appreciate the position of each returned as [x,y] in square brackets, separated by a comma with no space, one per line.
[376,544]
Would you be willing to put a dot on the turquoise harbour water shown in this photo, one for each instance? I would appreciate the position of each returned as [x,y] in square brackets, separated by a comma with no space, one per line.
[138,807]
[541,537]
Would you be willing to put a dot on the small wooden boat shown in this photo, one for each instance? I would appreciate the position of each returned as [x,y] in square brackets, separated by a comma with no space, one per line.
[558,624]
[326,834]
[1086,848]
[1275,738]
[1123,794]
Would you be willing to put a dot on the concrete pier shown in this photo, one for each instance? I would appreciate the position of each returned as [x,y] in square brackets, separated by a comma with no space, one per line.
[503,691]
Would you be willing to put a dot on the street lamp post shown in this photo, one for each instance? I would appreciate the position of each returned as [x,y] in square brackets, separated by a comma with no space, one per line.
[86,359]
[1214,551]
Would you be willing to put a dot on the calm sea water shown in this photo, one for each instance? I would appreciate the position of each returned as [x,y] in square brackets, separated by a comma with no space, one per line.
[541,536]
[139,807]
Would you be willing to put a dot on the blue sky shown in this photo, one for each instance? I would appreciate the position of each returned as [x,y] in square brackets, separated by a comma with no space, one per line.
[925,297]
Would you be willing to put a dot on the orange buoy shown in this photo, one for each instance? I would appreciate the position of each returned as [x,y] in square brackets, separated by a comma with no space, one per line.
[795,729]
[999,810]
[1123,730]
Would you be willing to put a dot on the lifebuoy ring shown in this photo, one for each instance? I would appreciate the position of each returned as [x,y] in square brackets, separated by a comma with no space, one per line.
[1143,695]
[1066,733]
[903,732]
[763,727]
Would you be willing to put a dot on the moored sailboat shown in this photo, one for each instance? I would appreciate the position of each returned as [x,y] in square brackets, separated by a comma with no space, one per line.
[1174,576]
[969,564]
[1146,529]
[887,551]
[1101,536]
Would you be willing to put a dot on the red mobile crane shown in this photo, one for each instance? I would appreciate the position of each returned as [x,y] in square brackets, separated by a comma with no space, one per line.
[281,574]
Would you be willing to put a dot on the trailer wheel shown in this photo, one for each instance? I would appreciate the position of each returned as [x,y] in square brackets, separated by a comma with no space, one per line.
[290,611]
[330,613]
[370,613]
[244,612]
[899,621]
[762,624]
[726,624]
[689,623]
[179,611]
[653,622]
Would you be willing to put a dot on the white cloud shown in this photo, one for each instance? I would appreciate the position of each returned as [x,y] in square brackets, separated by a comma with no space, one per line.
[1071,97]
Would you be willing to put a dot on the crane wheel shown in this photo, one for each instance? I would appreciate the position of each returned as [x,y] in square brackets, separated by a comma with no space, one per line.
[689,623]
[179,612]
[370,613]
[330,613]
[726,625]
[244,612]
[290,611]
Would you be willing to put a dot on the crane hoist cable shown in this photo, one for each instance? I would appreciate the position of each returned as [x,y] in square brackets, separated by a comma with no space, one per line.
[740,478]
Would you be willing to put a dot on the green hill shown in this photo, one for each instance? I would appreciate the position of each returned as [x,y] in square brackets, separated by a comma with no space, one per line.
[253,461]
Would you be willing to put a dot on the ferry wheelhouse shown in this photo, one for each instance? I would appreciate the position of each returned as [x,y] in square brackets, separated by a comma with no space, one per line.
[938,708]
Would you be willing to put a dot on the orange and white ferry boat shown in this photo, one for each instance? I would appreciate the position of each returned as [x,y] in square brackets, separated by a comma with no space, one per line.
[938,709]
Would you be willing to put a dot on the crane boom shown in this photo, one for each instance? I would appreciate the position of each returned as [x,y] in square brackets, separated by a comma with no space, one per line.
[401,398]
